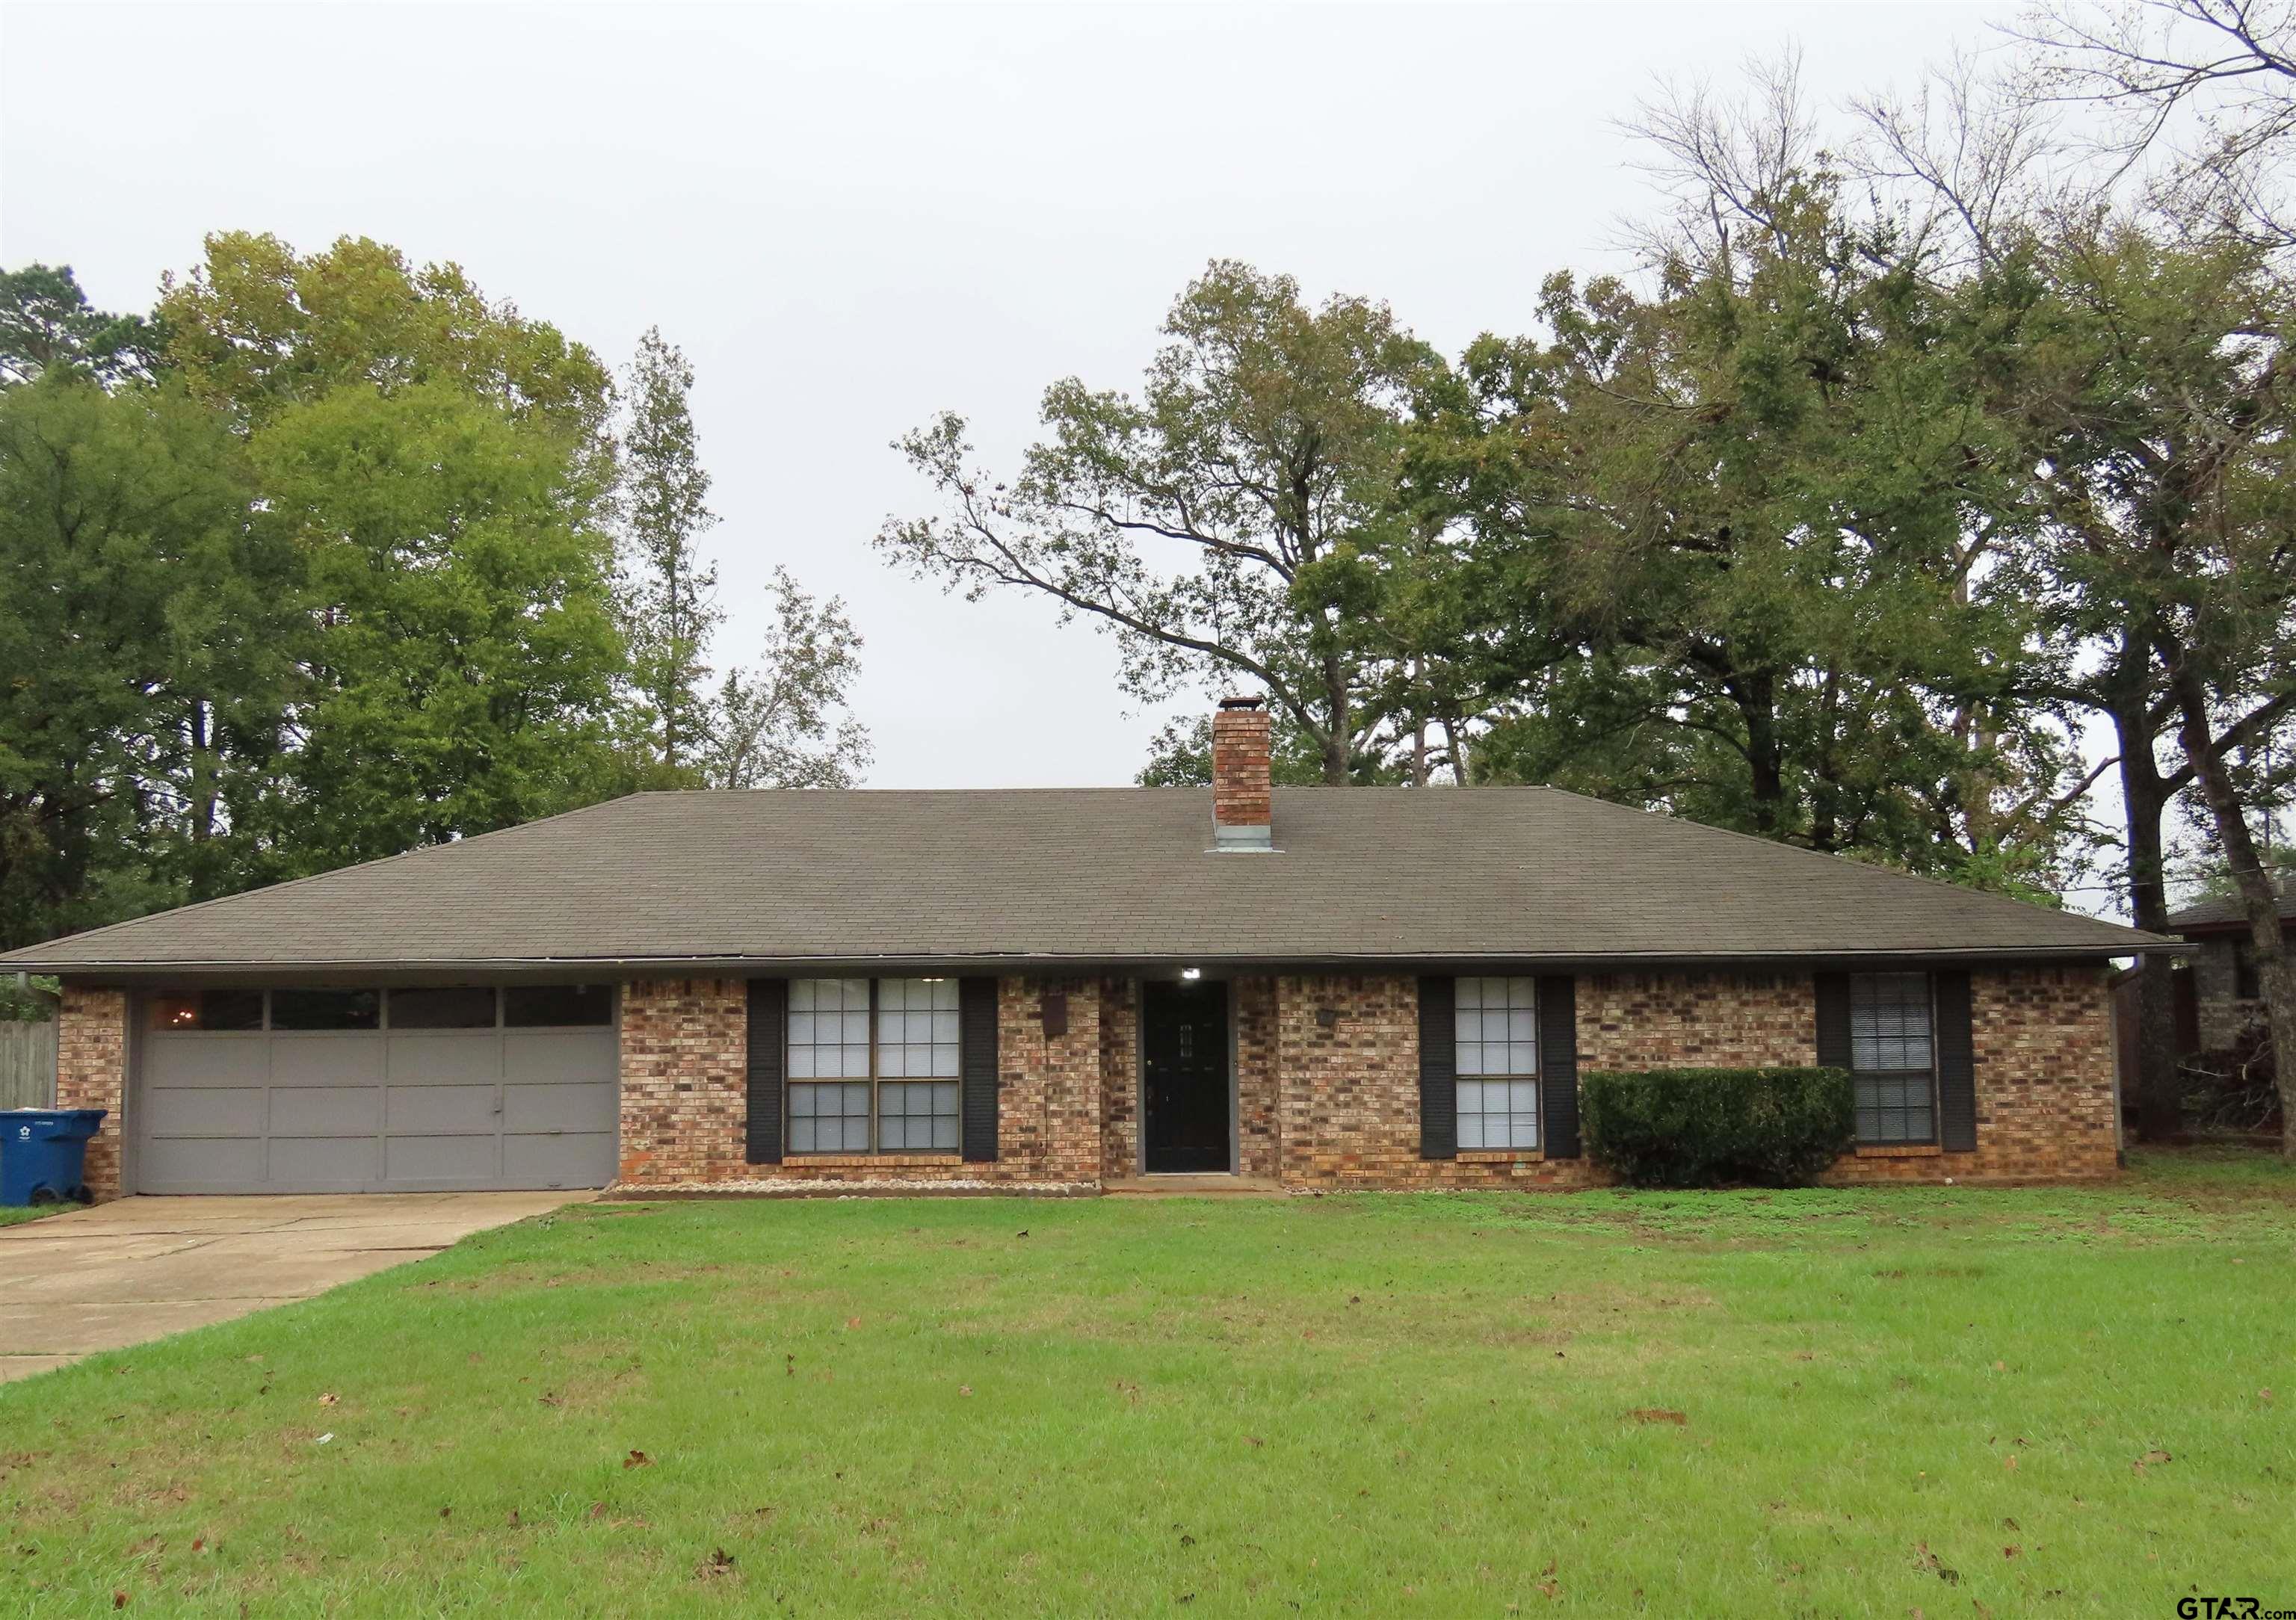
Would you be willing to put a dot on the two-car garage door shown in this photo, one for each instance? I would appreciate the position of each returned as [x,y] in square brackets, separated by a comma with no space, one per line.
[236,1092]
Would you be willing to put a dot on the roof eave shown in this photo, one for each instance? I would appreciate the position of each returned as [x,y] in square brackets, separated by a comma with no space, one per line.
[740,966]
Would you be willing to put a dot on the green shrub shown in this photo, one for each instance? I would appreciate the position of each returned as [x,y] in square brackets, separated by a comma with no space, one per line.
[1708,1127]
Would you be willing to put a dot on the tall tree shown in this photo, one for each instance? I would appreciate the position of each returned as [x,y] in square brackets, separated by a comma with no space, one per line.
[441,465]
[143,640]
[2162,392]
[1225,525]
[670,588]
[1751,518]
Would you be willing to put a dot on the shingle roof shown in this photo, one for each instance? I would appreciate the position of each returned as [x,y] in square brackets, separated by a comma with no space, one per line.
[2229,913]
[1089,875]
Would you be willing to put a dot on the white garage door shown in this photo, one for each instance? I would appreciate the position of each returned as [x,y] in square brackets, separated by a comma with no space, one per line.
[422,1089]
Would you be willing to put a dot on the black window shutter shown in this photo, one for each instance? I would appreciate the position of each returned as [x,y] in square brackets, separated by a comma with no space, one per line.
[1439,1070]
[1833,1020]
[977,1064]
[1957,1066]
[1558,1064]
[768,1040]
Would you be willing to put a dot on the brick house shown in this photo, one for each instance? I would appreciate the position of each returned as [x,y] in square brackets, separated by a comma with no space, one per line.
[1061,990]
[2227,998]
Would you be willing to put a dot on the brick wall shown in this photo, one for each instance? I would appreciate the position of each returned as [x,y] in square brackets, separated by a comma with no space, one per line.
[92,1072]
[2044,1045]
[1242,796]
[1259,1138]
[1349,1108]
[1696,1021]
[1327,1075]
[1346,1054]
[2225,1015]
[685,1054]
[1119,1078]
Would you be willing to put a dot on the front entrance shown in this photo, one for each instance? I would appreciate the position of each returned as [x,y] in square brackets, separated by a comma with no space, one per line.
[1183,1054]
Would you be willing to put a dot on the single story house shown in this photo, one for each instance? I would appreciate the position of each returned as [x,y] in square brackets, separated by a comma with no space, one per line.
[2227,997]
[1059,989]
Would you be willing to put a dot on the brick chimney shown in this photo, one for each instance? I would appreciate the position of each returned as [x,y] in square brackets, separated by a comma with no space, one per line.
[1242,798]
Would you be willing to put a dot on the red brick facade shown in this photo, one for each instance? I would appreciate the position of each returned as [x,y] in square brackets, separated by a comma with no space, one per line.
[92,1072]
[1326,1075]
[1327,1080]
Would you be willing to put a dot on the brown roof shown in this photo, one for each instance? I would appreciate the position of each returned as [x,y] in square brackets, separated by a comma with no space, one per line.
[2229,913]
[1086,875]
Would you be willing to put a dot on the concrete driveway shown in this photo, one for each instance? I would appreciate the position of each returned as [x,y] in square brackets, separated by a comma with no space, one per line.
[137,1269]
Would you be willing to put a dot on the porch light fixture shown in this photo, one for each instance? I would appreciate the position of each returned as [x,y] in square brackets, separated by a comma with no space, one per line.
[1191,973]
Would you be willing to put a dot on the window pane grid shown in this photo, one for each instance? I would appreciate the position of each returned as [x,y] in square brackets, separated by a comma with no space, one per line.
[894,1057]
[1893,1058]
[1495,1050]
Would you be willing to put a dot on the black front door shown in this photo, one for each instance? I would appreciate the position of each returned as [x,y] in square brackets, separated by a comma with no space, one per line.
[1183,1048]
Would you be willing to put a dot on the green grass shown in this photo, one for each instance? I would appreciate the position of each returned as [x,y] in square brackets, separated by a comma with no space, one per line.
[15,1214]
[1955,1402]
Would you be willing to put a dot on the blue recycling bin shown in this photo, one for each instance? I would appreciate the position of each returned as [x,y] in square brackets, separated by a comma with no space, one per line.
[41,1152]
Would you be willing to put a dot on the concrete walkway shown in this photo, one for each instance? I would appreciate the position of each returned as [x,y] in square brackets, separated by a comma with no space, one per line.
[138,1269]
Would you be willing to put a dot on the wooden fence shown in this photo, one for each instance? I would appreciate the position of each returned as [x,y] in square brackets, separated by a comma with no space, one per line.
[28,1064]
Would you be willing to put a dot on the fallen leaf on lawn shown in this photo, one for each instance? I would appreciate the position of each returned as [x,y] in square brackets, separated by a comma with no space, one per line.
[1253,1440]
[2000,1366]
[446,1513]
[1657,1414]
[513,1521]
[2010,1551]
[199,1543]
[637,1460]
[852,1322]
[2264,1395]
[550,1397]
[2153,1459]
[324,1438]
[718,1563]
[1548,1588]
[327,1399]
[964,1389]
[2010,1463]
[120,1599]
[1021,1233]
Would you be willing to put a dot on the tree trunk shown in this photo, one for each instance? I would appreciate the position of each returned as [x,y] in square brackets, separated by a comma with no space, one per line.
[1335,740]
[2144,802]
[2275,974]
[1454,743]
[1756,700]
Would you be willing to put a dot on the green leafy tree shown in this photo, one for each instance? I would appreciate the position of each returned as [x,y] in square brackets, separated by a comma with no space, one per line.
[1227,524]
[143,638]
[46,322]
[2159,390]
[670,588]
[1733,545]
[440,466]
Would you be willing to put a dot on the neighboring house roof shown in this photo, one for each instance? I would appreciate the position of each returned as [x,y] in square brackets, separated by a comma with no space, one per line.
[1086,876]
[2229,913]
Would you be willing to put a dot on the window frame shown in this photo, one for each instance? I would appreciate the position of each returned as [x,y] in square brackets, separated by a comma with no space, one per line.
[1535,1078]
[1858,1075]
[876,1079]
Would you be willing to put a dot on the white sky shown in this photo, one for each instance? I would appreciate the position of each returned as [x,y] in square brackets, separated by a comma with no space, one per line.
[850,218]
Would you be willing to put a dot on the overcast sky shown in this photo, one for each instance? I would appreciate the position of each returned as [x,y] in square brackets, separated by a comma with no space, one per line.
[850,218]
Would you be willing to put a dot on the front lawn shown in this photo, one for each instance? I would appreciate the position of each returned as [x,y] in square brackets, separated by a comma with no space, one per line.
[1948,1402]
[13,1214]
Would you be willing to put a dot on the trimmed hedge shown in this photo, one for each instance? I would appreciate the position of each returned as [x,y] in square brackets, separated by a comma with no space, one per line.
[1709,1127]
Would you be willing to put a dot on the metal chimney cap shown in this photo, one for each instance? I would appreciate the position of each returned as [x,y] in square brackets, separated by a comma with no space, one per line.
[1242,701]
